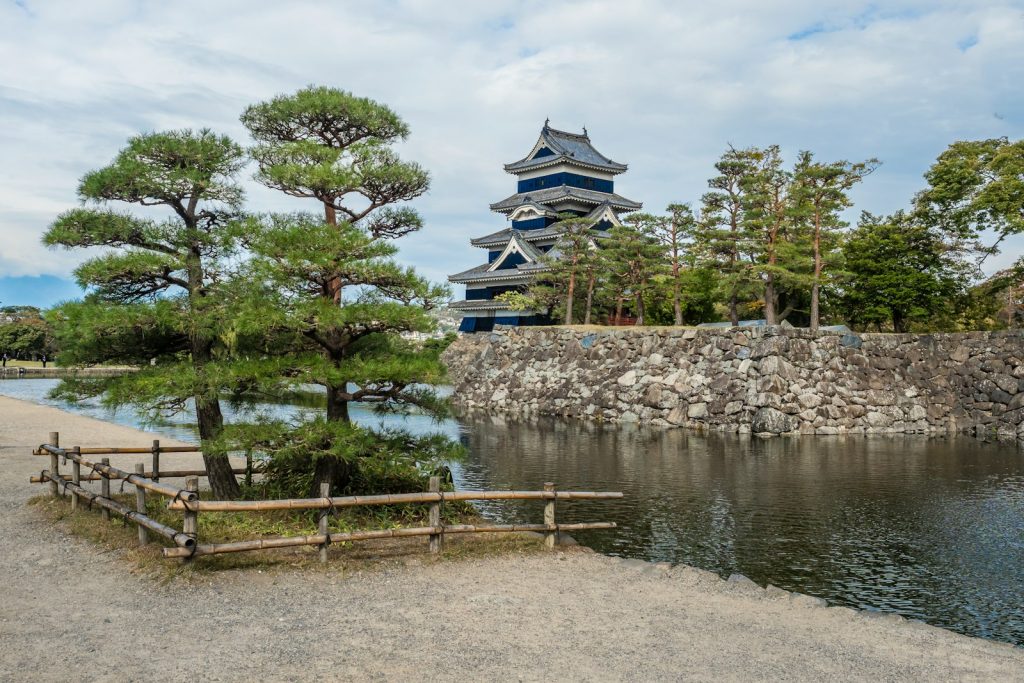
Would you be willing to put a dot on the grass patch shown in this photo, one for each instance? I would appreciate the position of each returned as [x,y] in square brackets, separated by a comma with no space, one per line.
[223,527]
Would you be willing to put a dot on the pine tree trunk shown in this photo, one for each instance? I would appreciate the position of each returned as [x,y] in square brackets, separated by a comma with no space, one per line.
[209,418]
[590,300]
[769,284]
[677,306]
[899,325]
[218,468]
[639,310]
[337,406]
[569,297]
[816,287]
[332,470]
[618,310]
[329,469]
[734,315]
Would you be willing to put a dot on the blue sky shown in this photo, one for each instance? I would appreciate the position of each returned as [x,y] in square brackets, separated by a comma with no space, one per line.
[663,86]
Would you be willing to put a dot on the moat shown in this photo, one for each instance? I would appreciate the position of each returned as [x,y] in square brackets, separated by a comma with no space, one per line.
[930,528]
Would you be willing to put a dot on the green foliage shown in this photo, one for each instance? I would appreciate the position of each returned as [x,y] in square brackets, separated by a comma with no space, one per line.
[170,168]
[630,260]
[819,193]
[329,145]
[900,273]
[975,186]
[28,336]
[699,293]
[385,461]
[567,282]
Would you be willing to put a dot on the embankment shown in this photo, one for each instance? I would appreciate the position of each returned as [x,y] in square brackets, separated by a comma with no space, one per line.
[763,380]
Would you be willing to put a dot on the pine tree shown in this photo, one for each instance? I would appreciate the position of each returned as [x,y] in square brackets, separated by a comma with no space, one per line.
[631,258]
[724,235]
[676,231]
[329,293]
[767,220]
[153,300]
[570,264]
[819,193]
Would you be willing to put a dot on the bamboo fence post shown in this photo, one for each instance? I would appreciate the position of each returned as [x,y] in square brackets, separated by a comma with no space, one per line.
[140,503]
[549,516]
[54,473]
[156,460]
[191,524]
[436,540]
[325,491]
[76,479]
[105,490]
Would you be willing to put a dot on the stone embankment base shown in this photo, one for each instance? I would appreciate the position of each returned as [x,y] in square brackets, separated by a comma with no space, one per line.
[752,380]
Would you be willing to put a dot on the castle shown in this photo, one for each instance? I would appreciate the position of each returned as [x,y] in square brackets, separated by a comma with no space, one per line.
[562,174]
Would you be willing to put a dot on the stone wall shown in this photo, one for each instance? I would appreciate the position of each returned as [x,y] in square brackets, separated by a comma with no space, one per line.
[761,380]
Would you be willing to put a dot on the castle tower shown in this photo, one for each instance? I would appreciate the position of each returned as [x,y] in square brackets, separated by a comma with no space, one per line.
[563,173]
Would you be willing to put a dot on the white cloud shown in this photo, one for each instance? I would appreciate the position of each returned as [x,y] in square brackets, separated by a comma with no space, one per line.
[661,85]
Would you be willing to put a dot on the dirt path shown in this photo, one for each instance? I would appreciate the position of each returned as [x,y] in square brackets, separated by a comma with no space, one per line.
[68,610]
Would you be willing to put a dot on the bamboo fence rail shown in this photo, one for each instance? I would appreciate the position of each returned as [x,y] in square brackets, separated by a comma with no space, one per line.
[186,500]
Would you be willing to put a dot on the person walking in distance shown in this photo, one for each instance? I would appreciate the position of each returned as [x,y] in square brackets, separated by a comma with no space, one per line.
[44,360]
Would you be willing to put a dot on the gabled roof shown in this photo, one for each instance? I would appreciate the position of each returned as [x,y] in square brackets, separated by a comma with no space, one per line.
[564,147]
[601,212]
[502,236]
[539,208]
[552,195]
[604,212]
[482,273]
[517,245]
[478,305]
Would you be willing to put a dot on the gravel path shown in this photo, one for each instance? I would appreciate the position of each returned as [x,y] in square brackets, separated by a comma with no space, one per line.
[69,610]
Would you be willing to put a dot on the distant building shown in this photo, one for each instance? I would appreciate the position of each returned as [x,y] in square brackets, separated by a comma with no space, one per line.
[563,173]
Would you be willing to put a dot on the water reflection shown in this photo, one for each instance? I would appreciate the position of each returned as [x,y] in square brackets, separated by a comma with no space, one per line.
[929,528]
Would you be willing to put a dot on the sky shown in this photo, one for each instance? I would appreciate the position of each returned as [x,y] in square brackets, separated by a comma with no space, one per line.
[662,85]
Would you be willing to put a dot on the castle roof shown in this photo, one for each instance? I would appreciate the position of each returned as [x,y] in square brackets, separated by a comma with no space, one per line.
[554,195]
[599,213]
[559,146]
[483,273]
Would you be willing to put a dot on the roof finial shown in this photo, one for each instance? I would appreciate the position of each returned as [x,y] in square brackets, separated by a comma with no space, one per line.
[584,131]
[547,120]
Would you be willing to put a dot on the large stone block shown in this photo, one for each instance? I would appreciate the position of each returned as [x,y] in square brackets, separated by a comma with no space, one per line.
[771,421]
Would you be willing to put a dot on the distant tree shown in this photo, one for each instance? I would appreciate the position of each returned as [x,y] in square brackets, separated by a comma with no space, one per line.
[631,259]
[998,301]
[723,229]
[152,295]
[675,231]
[819,194]
[328,291]
[699,289]
[26,336]
[976,186]
[767,216]
[570,264]
[900,272]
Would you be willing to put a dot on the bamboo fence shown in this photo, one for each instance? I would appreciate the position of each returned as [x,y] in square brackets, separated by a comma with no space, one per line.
[186,543]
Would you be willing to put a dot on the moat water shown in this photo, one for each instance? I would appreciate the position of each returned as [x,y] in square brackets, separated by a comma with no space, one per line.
[929,528]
